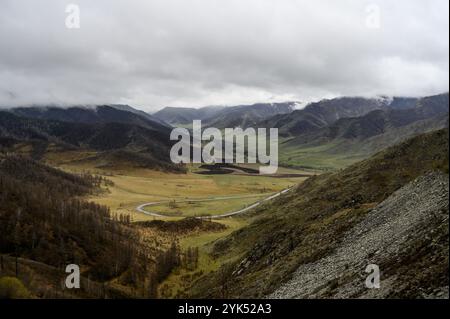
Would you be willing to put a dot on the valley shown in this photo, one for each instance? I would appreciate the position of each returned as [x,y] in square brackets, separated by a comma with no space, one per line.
[135,187]
[206,151]
[220,230]
[178,195]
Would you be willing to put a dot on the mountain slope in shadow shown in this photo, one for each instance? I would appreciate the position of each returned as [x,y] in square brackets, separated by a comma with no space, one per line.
[129,138]
[100,114]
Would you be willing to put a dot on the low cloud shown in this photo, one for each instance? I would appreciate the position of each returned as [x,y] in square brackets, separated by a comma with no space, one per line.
[157,53]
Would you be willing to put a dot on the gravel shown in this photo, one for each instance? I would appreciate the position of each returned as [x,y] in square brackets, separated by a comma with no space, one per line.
[390,236]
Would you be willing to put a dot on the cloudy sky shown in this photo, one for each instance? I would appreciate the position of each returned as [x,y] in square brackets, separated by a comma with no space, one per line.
[156,53]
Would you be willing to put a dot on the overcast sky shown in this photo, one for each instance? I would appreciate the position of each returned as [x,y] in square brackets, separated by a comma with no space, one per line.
[151,53]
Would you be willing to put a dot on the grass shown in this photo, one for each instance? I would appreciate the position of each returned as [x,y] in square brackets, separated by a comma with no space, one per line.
[133,187]
[321,157]
[208,207]
[139,187]
[178,283]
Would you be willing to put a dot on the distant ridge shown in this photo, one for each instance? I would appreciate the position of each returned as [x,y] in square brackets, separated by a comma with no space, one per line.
[380,121]
[180,115]
[92,115]
[308,141]
[221,117]
[320,114]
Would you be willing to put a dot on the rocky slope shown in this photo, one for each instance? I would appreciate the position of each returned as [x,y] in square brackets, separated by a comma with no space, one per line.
[406,235]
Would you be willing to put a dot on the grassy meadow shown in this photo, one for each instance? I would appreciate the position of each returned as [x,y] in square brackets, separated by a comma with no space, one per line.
[211,206]
[133,187]
[320,158]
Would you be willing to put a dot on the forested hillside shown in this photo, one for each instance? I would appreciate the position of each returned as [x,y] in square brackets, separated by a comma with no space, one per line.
[114,142]
[42,220]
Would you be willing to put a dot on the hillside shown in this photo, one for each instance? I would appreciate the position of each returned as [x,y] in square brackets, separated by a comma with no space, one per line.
[185,116]
[127,108]
[309,224]
[222,117]
[248,115]
[50,219]
[100,114]
[316,116]
[348,140]
[138,145]
[321,114]
[374,123]
[392,237]
[44,224]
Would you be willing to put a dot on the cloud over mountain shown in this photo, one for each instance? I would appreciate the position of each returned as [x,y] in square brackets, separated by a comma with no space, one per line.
[191,53]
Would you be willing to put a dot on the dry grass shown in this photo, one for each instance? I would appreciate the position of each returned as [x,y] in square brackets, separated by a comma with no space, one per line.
[133,187]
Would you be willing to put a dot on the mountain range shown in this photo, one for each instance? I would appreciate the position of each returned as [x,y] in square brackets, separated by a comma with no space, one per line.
[222,117]
[328,134]
[99,114]
[346,139]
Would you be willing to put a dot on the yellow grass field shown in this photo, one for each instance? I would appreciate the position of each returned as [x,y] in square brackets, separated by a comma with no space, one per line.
[133,187]
[138,187]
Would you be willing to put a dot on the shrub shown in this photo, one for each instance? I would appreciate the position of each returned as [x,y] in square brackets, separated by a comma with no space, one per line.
[13,288]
